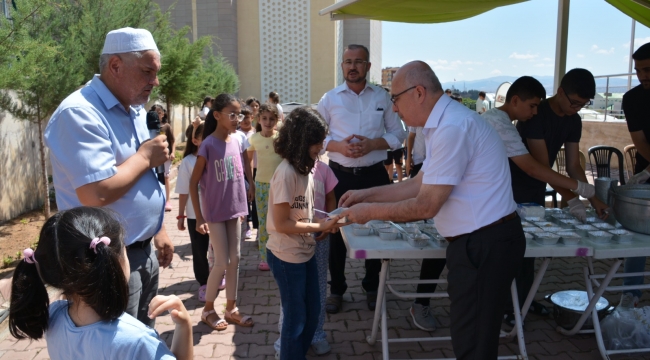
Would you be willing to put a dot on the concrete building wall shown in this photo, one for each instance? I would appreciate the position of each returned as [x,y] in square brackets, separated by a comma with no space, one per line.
[375,51]
[248,49]
[20,167]
[323,52]
[368,33]
[217,19]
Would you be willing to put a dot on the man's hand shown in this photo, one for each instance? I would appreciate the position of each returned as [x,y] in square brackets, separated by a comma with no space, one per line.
[181,224]
[155,151]
[359,213]
[639,178]
[344,147]
[164,246]
[352,197]
[585,190]
[600,207]
[363,146]
[577,209]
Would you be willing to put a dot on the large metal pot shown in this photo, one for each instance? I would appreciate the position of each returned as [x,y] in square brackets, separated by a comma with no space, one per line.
[631,205]
[569,305]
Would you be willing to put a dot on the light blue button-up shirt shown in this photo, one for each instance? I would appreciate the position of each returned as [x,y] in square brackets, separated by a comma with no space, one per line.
[89,135]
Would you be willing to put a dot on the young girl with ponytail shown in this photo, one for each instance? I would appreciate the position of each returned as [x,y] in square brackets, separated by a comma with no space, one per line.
[81,252]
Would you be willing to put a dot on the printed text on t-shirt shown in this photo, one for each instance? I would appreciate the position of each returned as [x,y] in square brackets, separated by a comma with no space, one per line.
[228,168]
[300,203]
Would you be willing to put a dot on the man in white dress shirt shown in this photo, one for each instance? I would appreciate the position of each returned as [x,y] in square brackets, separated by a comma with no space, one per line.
[362,127]
[464,185]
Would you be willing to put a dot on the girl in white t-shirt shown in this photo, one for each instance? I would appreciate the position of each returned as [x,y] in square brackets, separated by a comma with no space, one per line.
[291,246]
[200,242]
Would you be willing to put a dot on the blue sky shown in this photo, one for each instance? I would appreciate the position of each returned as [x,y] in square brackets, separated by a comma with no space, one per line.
[516,40]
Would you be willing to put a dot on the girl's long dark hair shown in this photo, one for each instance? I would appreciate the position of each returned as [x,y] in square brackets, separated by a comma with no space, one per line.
[303,128]
[65,261]
[218,104]
[190,148]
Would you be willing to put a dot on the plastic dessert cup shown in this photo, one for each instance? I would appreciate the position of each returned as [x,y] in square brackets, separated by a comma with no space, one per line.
[584,229]
[388,233]
[361,230]
[599,236]
[544,224]
[603,226]
[569,223]
[439,241]
[546,238]
[418,240]
[621,235]
[570,238]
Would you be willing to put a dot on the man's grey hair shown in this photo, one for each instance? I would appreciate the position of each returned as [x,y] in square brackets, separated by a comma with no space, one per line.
[103,59]
[422,74]
[356,47]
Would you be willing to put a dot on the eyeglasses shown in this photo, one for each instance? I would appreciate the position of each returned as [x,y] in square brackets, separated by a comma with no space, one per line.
[233,116]
[393,98]
[356,63]
[576,104]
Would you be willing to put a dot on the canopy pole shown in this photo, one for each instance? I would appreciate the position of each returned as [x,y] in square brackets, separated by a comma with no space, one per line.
[629,69]
[561,42]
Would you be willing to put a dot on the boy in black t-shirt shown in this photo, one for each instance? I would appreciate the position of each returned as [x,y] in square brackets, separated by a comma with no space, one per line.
[635,107]
[557,123]
[638,122]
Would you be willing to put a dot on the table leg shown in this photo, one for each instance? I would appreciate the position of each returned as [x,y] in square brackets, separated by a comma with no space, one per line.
[592,303]
[518,320]
[594,316]
[381,301]
[531,294]
[384,330]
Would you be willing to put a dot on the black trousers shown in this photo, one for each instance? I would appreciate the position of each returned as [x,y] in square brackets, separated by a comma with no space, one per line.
[430,270]
[200,243]
[338,251]
[252,208]
[415,170]
[526,274]
[481,267]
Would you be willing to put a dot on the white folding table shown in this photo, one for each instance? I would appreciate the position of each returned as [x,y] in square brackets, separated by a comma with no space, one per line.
[597,284]
[372,247]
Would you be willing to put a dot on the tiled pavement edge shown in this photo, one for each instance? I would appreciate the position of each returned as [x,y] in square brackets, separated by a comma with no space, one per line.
[347,330]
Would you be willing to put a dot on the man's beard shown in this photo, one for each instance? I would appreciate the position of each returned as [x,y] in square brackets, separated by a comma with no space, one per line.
[358,80]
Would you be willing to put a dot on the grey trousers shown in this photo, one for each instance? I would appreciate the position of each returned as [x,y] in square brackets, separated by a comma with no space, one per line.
[143,283]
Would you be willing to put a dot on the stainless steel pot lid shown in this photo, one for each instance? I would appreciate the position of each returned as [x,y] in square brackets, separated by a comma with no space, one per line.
[576,300]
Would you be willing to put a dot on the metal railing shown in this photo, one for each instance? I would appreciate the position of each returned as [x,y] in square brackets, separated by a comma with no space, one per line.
[614,113]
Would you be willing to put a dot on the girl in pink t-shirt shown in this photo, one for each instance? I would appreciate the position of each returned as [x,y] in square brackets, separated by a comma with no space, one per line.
[219,171]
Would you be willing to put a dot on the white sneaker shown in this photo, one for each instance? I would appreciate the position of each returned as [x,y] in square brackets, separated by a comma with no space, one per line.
[628,301]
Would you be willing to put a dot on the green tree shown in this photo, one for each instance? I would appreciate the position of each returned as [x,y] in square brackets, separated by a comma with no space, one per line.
[50,48]
[181,61]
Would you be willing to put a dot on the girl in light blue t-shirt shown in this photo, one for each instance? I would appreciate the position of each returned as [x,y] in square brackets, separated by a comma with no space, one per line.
[81,251]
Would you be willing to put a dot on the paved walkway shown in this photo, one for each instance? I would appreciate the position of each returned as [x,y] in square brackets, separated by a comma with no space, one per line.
[258,296]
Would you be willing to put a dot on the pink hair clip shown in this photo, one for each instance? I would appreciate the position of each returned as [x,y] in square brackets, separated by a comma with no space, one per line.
[28,256]
[93,244]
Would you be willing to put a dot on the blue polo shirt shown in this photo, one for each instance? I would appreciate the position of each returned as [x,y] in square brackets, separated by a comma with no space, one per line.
[89,135]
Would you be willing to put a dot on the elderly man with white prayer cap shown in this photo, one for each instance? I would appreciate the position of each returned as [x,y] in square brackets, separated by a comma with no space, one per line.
[101,155]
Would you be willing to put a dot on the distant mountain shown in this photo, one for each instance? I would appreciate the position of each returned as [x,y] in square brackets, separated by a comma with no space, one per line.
[490,85]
